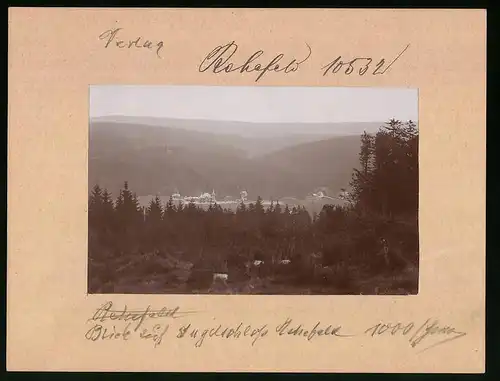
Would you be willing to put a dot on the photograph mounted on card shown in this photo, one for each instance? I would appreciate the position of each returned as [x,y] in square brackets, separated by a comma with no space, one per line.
[207,189]
[187,196]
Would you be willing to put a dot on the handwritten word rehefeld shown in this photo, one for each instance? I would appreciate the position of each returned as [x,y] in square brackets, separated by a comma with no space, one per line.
[106,312]
[112,39]
[359,65]
[219,61]
[317,330]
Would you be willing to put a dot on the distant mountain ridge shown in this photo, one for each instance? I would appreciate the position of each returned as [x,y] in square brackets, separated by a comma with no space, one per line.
[166,157]
[247,129]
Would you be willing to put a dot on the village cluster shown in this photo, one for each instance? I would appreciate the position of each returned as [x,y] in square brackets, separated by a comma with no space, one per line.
[208,198]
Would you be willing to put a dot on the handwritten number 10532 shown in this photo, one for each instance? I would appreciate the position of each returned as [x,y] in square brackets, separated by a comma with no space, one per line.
[360,65]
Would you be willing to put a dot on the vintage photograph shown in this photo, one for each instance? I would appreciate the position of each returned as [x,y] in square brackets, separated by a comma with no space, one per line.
[253,190]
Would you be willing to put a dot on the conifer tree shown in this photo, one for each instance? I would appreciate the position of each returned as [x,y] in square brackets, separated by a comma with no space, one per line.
[277,208]
[259,206]
[97,209]
[287,210]
[107,202]
[241,208]
[169,209]
[180,207]
[128,211]
[251,207]
[270,209]
[211,207]
[95,201]
[136,206]
[366,152]
[107,209]
[154,212]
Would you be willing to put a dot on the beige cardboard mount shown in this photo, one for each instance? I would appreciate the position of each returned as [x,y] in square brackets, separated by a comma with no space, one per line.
[56,54]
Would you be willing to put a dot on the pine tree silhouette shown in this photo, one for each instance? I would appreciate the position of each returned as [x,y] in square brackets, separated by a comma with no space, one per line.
[95,201]
[169,209]
[270,209]
[241,208]
[128,211]
[154,212]
[259,206]
[277,208]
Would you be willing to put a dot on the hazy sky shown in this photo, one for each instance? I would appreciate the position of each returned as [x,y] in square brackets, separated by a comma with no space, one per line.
[257,103]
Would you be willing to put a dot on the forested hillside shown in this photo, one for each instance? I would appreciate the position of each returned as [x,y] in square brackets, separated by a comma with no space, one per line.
[162,160]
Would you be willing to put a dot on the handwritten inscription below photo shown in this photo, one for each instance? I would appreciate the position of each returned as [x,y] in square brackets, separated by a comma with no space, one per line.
[253,190]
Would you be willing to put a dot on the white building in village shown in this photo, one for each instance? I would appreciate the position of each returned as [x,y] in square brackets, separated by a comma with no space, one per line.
[203,198]
[207,197]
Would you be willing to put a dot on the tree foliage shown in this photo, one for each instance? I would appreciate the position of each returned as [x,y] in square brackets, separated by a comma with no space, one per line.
[387,181]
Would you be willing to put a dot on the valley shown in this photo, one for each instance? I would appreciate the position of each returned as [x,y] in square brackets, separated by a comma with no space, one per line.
[162,159]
